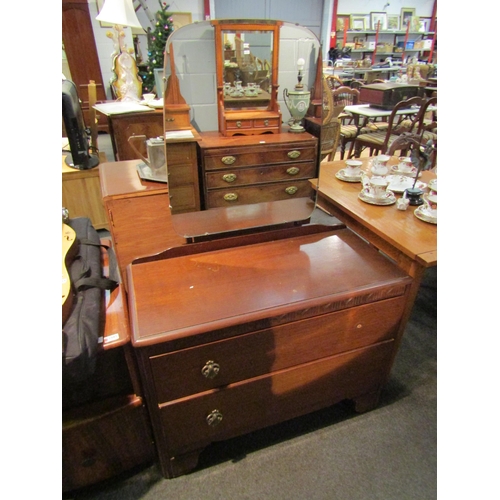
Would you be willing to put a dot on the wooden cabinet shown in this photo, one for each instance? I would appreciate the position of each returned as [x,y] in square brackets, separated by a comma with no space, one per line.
[138,213]
[237,339]
[81,194]
[253,169]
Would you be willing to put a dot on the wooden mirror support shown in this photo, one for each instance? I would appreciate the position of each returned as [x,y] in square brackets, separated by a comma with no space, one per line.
[253,110]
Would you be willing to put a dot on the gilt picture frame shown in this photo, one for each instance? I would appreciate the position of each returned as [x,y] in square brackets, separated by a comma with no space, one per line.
[406,17]
[342,21]
[359,22]
[393,22]
[376,18]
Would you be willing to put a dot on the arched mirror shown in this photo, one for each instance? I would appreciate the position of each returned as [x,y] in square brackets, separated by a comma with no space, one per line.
[232,161]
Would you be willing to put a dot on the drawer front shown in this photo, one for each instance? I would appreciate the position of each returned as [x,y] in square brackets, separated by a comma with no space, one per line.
[259,194]
[192,423]
[239,124]
[258,175]
[222,159]
[218,364]
[181,153]
[266,122]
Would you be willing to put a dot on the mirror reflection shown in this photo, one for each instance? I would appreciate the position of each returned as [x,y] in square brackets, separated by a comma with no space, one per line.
[247,76]
[233,161]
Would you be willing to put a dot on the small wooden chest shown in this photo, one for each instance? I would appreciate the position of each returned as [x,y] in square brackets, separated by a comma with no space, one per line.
[387,95]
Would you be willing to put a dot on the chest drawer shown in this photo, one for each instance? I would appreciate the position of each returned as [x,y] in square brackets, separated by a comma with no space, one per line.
[256,175]
[218,364]
[262,401]
[264,155]
[259,194]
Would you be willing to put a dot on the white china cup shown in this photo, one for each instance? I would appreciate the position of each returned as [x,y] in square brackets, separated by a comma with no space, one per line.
[353,168]
[378,187]
[430,205]
[405,164]
[148,97]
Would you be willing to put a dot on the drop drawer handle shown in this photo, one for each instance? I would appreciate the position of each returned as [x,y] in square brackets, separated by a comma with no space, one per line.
[292,171]
[229,177]
[230,197]
[293,154]
[228,160]
[214,418]
[211,369]
[291,190]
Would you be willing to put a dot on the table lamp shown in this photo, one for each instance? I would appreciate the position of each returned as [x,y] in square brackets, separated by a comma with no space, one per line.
[297,101]
[125,79]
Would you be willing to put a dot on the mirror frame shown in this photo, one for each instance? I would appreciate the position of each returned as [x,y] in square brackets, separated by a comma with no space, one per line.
[227,115]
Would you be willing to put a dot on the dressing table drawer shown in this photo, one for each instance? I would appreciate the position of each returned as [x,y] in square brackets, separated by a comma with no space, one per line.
[259,175]
[263,193]
[218,364]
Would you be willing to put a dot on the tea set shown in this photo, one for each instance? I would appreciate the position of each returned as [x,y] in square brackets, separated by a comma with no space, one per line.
[251,90]
[380,188]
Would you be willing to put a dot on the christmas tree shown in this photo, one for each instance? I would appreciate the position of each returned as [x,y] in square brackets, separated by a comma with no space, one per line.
[157,41]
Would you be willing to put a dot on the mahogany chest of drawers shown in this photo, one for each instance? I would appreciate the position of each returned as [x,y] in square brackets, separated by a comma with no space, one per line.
[236,339]
[254,169]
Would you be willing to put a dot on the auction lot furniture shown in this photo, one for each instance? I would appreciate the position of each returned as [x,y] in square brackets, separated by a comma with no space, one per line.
[239,334]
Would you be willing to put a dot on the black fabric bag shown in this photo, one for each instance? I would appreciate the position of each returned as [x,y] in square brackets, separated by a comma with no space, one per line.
[84,326]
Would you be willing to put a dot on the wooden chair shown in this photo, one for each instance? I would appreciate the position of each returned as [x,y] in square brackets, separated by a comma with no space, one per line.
[330,128]
[333,82]
[380,141]
[342,97]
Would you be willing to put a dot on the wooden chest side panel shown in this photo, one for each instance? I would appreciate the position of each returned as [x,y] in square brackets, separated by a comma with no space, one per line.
[179,374]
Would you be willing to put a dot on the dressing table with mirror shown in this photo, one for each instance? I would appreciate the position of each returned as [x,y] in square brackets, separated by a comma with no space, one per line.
[256,316]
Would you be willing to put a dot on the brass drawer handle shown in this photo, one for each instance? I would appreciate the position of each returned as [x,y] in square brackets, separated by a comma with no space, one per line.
[229,177]
[228,160]
[214,418]
[238,124]
[292,171]
[266,123]
[231,197]
[291,190]
[211,369]
[293,154]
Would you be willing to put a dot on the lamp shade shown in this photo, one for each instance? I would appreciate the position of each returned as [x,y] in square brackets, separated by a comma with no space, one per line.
[120,12]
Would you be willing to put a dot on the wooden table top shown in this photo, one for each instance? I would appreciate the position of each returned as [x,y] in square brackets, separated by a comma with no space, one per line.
[400,228]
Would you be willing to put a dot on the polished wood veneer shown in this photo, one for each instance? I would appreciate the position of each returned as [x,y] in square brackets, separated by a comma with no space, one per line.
[238,337]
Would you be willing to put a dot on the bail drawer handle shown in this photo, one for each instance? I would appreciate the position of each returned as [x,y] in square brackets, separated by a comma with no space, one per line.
[229,177]
[230,197]
[228,160]
[211,369]
[291,190]
[293,154]
[292,171]
[214,418]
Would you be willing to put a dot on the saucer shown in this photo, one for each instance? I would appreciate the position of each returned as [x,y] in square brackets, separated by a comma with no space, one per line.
[411,173]
[433,185]
[341,175]
[388,199]
[398,183]
[421,214]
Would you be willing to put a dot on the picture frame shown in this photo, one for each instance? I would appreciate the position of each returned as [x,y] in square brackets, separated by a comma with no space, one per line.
[378,17]
[342,20]
[359,22]
[393,22]
[406,17]
[424,24]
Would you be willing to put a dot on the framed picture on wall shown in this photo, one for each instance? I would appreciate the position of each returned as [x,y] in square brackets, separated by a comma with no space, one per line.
[376,18]
[406,15]
[424,24]
[359,22]
[392,22]
[343,22]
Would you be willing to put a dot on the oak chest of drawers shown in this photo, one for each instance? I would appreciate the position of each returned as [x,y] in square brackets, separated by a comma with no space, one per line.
[240,338]
[254,169]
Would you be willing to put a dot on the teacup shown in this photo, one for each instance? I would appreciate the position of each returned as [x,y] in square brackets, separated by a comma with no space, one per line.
[375,186]
[148,97]
[405,164]
[430,205]
[353,168]
[379,165]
